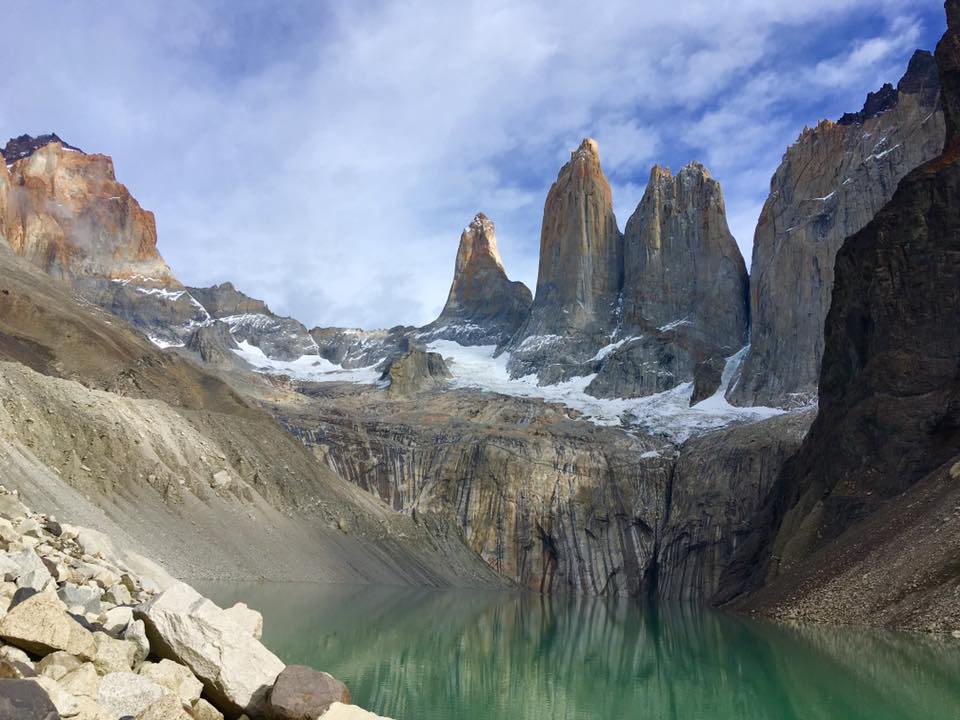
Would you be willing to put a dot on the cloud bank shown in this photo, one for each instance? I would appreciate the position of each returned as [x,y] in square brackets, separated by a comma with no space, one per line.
[324,156]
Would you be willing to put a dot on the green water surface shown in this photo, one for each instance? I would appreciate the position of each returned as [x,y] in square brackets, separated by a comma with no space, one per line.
[462,655]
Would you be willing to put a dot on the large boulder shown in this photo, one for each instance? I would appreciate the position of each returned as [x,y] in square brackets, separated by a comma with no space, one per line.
[175,677]
[41,625]
[25,700]
[236,669]
[26,569]
[302,693]
[247,618]
[128,694]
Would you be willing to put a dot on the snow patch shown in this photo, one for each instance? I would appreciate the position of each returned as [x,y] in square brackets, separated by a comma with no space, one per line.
[306,367]
[668,413]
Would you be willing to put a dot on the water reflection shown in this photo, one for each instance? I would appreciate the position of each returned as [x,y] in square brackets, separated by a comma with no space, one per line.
[428,655]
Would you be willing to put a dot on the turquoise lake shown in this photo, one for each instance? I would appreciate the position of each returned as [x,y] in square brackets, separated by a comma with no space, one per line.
[467,655]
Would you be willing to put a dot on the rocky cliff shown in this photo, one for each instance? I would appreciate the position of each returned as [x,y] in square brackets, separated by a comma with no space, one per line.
[864,526]
[483,307]
[830,184]
[682,266]
[685,288]
[66,213]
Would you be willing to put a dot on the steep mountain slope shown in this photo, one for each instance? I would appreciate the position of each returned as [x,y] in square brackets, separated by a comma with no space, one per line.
[874,487]
[484,307]
[100,425]
[830,184]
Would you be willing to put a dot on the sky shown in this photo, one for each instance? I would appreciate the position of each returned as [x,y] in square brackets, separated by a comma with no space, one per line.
[325,156]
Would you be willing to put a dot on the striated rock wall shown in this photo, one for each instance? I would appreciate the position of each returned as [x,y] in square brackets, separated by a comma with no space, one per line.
[720,483]
[830,184]
[484,307]
[554,504]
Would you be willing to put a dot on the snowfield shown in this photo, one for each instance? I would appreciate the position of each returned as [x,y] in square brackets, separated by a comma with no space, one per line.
[306,367]
[667,413]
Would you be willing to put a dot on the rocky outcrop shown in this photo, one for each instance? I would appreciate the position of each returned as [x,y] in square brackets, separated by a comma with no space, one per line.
[682,267]
[214,345]
[864,525]
[356,348]
[581,259]
[75,220]
[415,371]
[25,145]
[830,184]
[199,663]
[237,671]
[483,307]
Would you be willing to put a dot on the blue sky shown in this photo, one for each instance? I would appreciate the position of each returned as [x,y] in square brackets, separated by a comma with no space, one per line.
[325,156]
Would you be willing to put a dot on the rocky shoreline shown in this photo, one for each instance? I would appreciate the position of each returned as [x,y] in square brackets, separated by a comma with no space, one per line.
[90,631]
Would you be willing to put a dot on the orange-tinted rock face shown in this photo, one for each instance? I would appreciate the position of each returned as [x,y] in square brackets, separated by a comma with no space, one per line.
[65,212]
[580,251]
[484,306]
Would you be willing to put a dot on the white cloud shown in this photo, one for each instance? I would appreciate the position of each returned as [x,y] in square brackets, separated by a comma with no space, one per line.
[325,156]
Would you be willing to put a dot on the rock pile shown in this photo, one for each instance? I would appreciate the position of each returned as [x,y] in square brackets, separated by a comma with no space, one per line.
[89,631]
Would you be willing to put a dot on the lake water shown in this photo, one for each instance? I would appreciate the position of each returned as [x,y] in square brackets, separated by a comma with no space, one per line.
[461,655]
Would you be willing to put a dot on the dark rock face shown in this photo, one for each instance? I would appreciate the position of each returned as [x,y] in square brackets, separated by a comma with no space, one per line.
[651,363]
[484,307]
[831,183]
[707,376]
[25,700]
[414,371]
[24,146]
[682,267]
[302,693]
[719,484]
[888,428]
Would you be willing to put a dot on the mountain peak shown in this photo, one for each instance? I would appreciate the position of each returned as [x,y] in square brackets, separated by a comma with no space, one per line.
[588,149]
[25,145]
[920,78]
[483,305]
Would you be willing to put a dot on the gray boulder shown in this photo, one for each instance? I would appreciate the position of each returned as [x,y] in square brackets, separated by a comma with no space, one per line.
[302,693]
[25,700]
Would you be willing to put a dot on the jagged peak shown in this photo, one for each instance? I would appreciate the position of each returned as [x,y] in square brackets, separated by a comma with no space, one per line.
[662,174]
[479,238]
[25,145]
[588,150]
[948,62]
[920,78]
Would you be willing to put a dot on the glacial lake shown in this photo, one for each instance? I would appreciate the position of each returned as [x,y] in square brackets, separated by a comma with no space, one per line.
[462,655]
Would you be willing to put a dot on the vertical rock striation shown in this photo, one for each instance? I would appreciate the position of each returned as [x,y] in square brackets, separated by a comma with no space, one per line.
[830,184]
[483,307]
